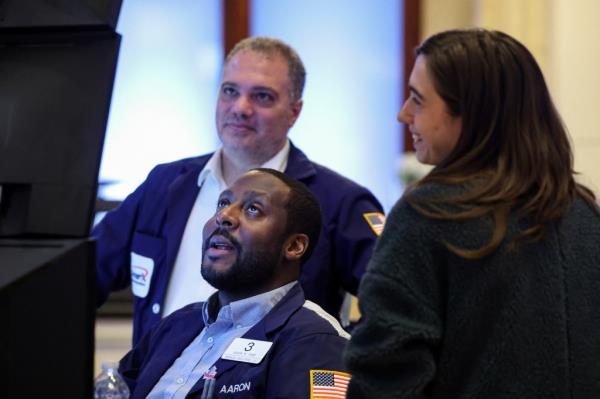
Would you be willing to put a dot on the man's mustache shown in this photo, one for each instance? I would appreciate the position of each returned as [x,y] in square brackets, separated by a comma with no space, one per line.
[223,233]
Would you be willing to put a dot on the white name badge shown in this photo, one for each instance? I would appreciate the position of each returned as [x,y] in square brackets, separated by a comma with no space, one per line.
[247,350]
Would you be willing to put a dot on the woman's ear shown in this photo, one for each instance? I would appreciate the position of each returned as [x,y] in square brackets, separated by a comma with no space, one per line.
[295,246]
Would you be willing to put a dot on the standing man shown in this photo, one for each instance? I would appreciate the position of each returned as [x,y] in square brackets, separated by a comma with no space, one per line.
[151,240]
[256,337]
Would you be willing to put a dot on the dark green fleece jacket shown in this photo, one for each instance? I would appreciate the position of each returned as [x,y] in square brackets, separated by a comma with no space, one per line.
[520,324]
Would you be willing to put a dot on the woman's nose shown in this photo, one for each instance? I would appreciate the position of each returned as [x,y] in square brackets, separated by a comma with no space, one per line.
[405,113]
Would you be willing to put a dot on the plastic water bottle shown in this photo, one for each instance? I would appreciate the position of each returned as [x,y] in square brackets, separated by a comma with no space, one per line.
[109,384]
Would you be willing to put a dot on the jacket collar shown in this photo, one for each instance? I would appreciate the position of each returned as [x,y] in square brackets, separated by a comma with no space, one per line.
[181,196]
[299,167]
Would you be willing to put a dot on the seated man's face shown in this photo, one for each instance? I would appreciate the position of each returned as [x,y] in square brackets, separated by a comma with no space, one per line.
[243,241]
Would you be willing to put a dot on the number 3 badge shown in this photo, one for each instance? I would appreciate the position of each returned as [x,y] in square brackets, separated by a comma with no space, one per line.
[247,350]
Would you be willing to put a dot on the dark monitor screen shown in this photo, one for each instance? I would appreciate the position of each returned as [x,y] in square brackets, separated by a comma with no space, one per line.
[47,302]
[59,13]
[55,90]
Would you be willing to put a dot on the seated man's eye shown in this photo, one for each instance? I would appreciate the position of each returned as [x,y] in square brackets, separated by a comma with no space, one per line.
[253,210]
[222,204]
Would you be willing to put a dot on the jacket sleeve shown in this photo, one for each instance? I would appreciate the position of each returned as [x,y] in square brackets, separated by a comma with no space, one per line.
[354,238]
[113,241]
[392,351]
[289,372]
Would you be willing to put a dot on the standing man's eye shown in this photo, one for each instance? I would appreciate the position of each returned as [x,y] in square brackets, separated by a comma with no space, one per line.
[264,98]
[228,92]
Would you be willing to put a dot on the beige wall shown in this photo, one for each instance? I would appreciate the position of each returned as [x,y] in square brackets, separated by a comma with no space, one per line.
[575,53]
[564,36]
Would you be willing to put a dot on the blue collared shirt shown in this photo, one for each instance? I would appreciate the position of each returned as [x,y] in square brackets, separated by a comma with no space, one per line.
[232,321]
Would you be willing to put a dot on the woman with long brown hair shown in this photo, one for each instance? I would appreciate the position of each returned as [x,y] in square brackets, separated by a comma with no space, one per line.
[483,283]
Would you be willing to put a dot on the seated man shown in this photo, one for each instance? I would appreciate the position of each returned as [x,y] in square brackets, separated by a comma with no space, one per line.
[256,336]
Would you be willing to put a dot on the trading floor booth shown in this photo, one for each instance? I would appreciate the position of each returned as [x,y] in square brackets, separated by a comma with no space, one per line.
[57,66]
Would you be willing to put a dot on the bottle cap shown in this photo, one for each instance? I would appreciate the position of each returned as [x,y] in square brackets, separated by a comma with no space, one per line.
[107,365]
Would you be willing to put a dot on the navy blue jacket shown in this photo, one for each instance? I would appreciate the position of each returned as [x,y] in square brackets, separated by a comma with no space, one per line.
[302,340]
[151,221]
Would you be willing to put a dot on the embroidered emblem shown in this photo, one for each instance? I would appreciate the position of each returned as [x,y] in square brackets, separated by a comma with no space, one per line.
[328,384]
[141,274]
[376,221]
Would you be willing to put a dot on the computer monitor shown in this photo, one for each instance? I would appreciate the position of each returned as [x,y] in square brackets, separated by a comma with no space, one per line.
[55,90]
[61,14]
[47,307]
[57,66]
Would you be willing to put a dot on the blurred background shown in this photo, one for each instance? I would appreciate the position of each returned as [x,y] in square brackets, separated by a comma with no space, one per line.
[357,54]
[169,72]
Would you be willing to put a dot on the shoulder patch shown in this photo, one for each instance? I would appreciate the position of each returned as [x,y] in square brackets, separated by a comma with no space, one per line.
[376,220]
[326,316]
[327,384]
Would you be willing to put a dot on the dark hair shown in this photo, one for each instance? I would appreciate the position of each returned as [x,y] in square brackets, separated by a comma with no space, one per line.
[513,154]
[270,46]
[303,210]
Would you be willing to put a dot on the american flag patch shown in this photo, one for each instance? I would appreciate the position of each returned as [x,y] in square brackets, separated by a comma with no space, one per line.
[327,384]
[376,221]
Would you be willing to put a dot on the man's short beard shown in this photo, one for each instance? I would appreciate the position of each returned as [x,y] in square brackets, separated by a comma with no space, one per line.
[250,271]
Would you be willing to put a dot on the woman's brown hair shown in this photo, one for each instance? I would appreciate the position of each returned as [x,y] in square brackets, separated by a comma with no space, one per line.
[513,156]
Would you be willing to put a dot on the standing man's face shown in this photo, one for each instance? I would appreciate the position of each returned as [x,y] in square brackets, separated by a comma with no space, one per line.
[254,112]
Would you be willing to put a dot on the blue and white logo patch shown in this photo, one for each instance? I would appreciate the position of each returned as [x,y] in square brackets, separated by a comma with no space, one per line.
[141,274]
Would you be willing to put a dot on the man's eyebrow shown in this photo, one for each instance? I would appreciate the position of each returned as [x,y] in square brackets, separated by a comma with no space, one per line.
[246,196]
[253,195]
[226,193]
[416,92]
[253,88]
[266,88]
[228,83]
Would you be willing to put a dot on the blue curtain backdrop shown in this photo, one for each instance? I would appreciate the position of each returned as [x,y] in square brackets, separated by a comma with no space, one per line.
[165,89]
[352,53]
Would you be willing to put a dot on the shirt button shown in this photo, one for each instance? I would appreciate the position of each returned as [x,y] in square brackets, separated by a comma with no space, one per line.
[179,380]
[209,340]
[155,308]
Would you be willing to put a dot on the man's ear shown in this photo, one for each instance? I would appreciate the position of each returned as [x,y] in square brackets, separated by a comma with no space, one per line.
[295,246]
[296,108]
